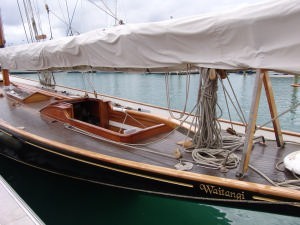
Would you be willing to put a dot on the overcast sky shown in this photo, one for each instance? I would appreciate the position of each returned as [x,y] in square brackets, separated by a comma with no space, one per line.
[87,14]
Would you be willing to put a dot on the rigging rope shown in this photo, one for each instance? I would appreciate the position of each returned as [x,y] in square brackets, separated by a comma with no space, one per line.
[238,110]
[37,13]
[91,84]
[48,13]
[279,115]
[210,149]
[208,133]
[73,16]
[209,152]
[293,184]
[105,11]
[33,22]
[22,21]
[238,103]
[106,6]
[227,106]
[214,158]
[28,21]
[187,90]
[69,20]
[78,130]
[63,21]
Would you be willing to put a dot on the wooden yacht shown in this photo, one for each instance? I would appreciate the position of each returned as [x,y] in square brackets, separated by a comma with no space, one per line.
[139,147]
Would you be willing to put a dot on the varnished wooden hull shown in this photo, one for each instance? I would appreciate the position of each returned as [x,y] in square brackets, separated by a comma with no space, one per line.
[61,162]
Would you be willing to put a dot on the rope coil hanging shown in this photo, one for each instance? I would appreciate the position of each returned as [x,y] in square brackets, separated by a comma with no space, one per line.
[208,133]
[211,150]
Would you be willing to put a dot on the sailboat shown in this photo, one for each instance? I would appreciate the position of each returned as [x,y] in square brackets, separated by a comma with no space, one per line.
[126,144]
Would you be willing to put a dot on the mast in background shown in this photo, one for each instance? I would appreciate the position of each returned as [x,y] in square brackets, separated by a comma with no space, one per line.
[5,73]
[2,40]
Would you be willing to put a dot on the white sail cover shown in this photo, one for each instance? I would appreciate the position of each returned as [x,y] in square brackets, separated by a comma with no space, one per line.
[264,35]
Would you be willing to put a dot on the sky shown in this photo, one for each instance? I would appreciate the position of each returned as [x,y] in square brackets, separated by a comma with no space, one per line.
[89,14]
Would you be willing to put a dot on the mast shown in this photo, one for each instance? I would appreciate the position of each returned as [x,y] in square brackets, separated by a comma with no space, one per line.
[5,73]
[2,40]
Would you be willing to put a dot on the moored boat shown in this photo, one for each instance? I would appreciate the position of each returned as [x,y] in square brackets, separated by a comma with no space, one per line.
[114,142]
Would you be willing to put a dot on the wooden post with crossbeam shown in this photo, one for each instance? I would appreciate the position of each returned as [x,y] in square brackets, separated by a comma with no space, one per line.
[262,78]
[272,108]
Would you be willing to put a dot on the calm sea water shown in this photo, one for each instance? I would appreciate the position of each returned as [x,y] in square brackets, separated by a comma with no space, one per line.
[58,200]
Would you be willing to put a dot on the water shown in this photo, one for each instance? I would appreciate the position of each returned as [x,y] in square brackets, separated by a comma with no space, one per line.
[63,201]
[59,200]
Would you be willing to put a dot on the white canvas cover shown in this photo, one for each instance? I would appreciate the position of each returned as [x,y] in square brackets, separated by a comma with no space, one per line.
[264,35]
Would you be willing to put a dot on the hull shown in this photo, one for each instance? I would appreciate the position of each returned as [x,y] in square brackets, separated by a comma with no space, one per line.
[60,162]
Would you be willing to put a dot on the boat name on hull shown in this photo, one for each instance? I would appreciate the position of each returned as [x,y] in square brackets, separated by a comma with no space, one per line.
[215,190]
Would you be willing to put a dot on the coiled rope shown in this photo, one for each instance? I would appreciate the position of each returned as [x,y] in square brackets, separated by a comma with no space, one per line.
[208,133]
[214,158]
[211,150]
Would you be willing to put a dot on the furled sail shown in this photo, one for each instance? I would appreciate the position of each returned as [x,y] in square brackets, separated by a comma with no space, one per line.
[263,35]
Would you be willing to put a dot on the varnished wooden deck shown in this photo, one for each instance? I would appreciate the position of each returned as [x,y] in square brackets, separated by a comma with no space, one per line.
[27,117]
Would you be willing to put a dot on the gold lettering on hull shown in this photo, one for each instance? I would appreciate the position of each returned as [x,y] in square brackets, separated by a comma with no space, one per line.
[218,191]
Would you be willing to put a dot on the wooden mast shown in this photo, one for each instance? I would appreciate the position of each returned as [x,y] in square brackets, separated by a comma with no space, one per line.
[5,73]
[262,78]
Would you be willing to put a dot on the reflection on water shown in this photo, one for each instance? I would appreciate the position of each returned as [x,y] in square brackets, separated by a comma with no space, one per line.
[150,88]
[238,216]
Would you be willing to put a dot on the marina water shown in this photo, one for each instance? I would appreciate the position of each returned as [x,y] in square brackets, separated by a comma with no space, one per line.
[60,200]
